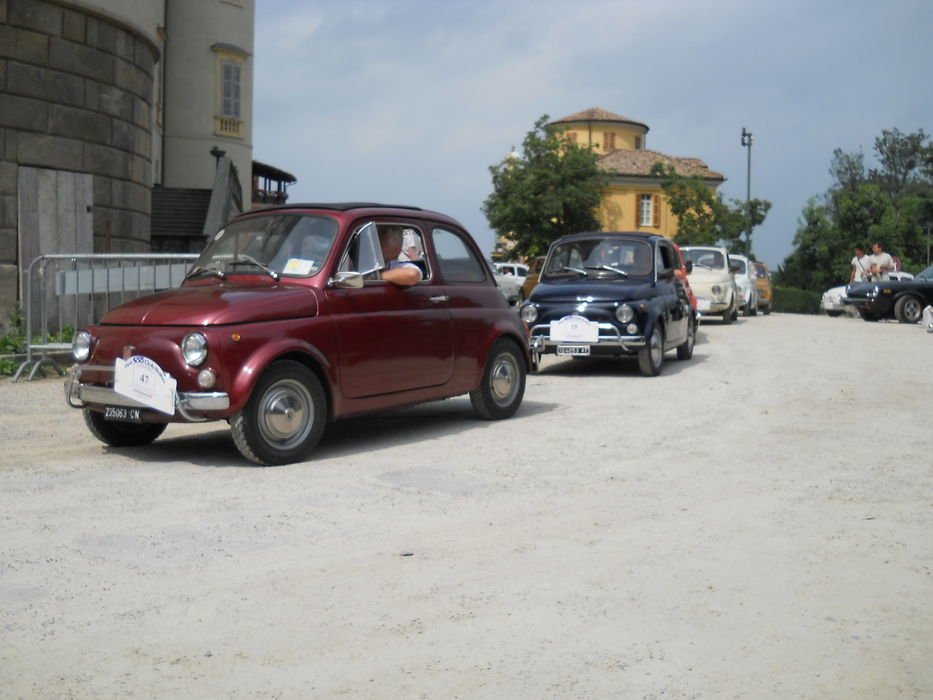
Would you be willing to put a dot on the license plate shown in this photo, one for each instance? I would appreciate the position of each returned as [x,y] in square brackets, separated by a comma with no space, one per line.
[123,414]
[703,304]
[573,349]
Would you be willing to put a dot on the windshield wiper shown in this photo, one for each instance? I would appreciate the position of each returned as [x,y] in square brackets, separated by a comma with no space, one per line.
[608,268]
[250,260]
[199,270]
[573,269]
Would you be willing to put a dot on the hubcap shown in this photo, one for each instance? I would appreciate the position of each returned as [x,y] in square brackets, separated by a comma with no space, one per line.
[286,414]
[503,379]
[912,310]
[656,348]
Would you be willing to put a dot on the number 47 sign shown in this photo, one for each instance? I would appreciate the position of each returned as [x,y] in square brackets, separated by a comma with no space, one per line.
[142,379]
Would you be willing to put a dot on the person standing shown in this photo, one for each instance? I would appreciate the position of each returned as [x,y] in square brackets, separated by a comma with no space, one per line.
[861,265]
[881,263]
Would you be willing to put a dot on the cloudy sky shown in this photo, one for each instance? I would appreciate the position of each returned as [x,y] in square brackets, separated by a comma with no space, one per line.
[411,101]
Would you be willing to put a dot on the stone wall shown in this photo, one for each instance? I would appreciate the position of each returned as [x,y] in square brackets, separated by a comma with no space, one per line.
[75,95]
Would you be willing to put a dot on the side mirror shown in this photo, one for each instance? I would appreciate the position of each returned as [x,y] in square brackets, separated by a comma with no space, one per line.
[688,266]
[346,280]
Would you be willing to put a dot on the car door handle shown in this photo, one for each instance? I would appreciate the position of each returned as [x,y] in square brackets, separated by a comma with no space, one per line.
[438,299]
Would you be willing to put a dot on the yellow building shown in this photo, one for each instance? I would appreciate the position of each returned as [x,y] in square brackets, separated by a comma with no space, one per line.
[634,200]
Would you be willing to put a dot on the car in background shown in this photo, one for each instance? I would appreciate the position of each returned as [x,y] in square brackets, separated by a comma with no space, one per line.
[745,283]
[892,298]
[832,301]
[510,286]
[610,295]
[516,269]
[284,324]
[683,273]
[763,284]
[712,281]
[531,279]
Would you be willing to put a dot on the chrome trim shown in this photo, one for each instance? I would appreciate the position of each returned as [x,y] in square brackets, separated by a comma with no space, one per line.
[609,336]
[78,395]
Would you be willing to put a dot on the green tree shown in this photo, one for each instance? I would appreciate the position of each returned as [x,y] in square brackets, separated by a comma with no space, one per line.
[554,188]
[703,217]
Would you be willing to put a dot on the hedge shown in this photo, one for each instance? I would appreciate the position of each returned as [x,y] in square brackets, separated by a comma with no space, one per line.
[790,300]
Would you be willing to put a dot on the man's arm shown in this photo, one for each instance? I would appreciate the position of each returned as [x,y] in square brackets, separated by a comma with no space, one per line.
[403,275]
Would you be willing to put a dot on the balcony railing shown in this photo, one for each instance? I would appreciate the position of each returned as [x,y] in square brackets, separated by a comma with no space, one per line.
[228,126]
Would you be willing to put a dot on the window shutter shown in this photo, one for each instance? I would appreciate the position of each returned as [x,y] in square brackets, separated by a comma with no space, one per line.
[656,211]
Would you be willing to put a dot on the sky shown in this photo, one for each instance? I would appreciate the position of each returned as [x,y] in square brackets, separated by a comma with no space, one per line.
[411,101]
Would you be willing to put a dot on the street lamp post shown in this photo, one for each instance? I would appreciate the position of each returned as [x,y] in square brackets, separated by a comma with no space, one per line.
[747,143]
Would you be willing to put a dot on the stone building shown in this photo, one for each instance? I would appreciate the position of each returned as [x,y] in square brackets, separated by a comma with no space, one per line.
[116,115]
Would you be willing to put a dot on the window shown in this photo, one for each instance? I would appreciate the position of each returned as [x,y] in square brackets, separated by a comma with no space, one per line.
[649,213]
[230,75]
[456,259]
[609,141]
[230,89]
[638,143]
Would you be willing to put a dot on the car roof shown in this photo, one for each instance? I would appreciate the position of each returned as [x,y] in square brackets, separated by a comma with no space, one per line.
[355,208]
[610,234]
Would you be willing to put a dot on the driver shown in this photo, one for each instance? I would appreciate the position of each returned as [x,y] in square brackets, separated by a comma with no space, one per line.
[401,272]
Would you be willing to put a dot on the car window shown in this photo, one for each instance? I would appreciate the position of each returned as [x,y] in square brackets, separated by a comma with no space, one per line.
[287,244]
[740,265]
[712,259]
[363,253]
[572,257]
[456,259]
[668,257]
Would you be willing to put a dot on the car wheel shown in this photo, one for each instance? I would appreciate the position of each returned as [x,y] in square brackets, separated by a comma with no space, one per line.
[754,308]
[766,310]
[284,417]
[651,357]
[908,309]
[727,316]
[747,309]
[868,316]
[685,351]
[831,314]
[121,434]
[502,387]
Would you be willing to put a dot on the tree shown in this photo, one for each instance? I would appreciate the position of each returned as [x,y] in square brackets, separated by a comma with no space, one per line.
[703,217]
[554,188]
[891,203]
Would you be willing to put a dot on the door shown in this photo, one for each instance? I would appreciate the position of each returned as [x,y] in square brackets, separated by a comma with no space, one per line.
[675,298]
[392,338]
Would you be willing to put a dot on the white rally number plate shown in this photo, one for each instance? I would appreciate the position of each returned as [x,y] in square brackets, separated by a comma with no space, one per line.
[574,329]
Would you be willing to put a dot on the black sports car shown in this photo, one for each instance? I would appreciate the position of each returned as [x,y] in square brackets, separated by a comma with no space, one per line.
[611,294]
[900,299]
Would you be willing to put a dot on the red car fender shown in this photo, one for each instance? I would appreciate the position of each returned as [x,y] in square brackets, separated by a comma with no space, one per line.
[266,354]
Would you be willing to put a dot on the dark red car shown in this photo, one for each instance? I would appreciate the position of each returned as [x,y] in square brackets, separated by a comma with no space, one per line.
[284,324]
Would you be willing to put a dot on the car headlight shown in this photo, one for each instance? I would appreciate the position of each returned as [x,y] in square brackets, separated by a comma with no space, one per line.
[625,313]
[529,313]
[81,346]
[716,289]
[194,348]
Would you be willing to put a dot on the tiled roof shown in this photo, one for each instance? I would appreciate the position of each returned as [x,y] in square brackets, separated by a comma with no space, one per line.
[596,114]
[639,163]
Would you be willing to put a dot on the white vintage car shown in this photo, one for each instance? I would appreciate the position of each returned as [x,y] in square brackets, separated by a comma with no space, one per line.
[831,301]
[745,282]
[712,281]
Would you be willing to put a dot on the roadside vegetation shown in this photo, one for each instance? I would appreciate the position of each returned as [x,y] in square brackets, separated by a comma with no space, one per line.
[13,343]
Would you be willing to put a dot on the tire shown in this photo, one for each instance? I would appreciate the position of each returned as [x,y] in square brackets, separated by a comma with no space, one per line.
[747,309]
[651,357]
[284,418]
[121,434]
[685,351]
[831,314]
[727,316]
[766,310]
[867,316]
[908,309]
[502,387]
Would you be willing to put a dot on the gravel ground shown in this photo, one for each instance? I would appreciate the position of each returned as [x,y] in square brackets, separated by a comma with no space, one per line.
[754,523]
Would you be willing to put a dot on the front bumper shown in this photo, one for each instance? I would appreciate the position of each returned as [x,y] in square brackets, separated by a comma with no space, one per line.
[610,341]
[190,406]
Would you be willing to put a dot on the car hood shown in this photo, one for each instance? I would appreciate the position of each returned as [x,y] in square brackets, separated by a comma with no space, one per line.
[573,292]
[215,304]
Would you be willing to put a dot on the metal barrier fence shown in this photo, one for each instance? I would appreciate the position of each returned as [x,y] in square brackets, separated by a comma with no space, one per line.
[76,289]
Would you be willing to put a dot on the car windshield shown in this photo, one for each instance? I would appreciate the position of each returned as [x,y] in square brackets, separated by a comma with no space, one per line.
[704,257]
[925,275]
[760,270]
[740,267]
[280,244]
[618,257]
